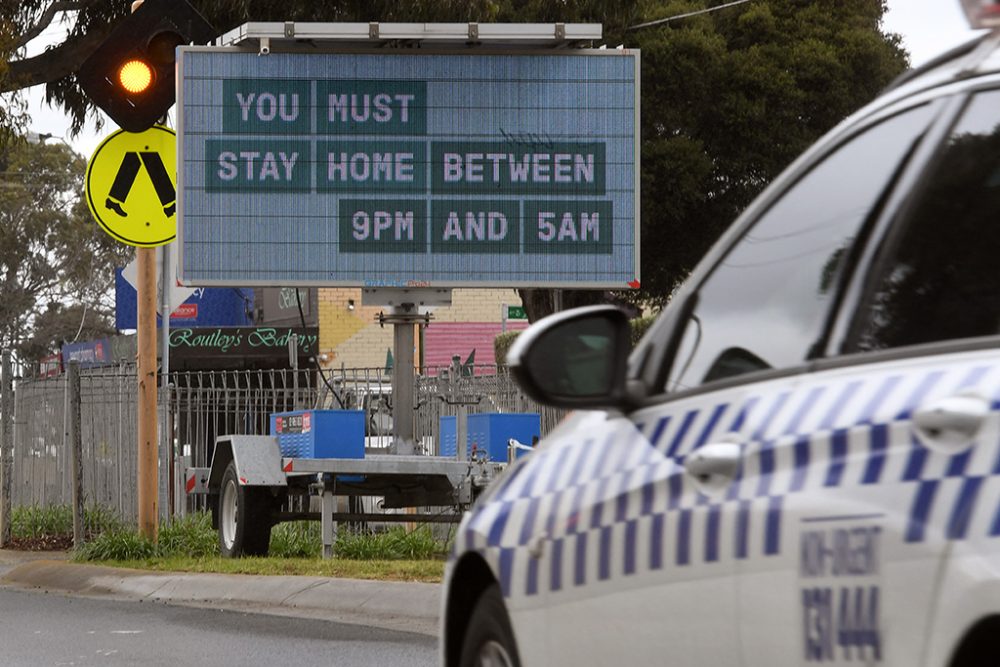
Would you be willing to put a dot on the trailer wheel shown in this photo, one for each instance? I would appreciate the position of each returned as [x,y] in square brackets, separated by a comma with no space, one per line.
[244,517]
[489,639]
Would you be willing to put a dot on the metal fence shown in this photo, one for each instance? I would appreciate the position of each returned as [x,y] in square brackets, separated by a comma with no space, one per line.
[199,406]
[42,471]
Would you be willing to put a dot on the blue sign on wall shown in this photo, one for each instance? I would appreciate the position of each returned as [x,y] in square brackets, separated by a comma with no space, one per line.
[88,354]
[409,170]
[207,307]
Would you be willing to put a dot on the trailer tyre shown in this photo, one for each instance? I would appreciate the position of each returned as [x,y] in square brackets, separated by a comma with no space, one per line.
[244,517]
[489,639]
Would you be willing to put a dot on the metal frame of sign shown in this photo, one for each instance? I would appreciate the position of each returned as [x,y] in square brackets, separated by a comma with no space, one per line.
[191,274]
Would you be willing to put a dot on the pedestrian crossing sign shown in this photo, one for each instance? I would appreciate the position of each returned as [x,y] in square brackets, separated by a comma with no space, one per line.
[131,186]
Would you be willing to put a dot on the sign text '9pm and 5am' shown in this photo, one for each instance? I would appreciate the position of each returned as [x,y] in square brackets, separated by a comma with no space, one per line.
[471,183]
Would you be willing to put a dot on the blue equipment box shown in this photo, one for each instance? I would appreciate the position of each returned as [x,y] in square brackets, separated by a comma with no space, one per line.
[320,434]
[448,438]
[490,432]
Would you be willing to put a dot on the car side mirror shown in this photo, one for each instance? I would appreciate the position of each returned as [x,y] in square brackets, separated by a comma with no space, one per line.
[575,358]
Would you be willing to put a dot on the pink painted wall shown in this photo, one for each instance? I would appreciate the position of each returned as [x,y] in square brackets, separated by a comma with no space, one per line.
[444,339]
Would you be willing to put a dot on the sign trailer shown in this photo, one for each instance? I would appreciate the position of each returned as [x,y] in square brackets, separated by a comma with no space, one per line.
[306,157]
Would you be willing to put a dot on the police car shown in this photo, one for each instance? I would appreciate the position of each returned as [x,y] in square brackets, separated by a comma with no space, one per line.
[800,462]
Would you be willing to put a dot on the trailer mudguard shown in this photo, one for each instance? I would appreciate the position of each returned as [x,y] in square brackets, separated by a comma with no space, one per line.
[257,459]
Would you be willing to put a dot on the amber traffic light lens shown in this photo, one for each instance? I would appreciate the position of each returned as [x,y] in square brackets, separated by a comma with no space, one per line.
[135,76]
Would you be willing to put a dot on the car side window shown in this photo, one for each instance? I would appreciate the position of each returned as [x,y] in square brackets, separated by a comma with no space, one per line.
[765,304]
[939,278]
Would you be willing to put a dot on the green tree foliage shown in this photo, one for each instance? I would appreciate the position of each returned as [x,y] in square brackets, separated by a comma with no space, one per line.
[728,97]
[57,323]
[88,22]
[11,106]
[53,258]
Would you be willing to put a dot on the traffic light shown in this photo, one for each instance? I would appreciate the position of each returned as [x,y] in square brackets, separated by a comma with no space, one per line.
[131,74]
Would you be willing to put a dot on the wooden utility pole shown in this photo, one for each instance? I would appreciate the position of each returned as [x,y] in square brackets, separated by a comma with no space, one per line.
[76,452]
[148,474]
[6,444]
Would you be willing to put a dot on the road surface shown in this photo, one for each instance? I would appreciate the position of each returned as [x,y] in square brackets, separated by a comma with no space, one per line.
[51,629]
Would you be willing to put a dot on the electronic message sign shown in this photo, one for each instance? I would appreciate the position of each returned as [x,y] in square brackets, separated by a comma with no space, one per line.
[408,169]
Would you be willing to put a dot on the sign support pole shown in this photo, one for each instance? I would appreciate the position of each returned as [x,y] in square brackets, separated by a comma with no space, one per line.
[403,317]
[402,381]
[147,482]
[402,375]
[111,174]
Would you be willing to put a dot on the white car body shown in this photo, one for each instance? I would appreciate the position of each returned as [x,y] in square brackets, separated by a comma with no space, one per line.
[843,509]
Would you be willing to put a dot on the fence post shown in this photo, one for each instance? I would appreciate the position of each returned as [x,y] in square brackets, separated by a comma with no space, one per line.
[76,452]
[6,444]
[462,416]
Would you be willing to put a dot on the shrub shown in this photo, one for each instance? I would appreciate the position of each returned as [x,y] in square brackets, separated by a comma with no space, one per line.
[416,544]
[33,521]
[297,539]
[501,345]
[122,544]
[194,537]
[639,327]
[395,544]
[361,545]
[191,535]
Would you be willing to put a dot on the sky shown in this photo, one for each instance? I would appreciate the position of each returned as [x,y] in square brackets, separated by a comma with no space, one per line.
[928,27]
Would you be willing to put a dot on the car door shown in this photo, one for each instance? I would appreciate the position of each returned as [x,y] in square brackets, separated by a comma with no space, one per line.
[866,507]
[632,559]
[891,456]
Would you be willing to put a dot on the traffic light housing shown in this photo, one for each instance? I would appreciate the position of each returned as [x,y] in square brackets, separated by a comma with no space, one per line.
[131,75]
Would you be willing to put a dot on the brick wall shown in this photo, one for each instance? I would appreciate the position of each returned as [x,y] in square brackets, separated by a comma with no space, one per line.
[477,305]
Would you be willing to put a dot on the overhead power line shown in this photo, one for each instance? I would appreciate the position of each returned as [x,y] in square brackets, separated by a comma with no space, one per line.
[684,16]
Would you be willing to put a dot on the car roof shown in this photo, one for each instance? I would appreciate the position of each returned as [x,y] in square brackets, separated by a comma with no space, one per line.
[975,59]
[945,62]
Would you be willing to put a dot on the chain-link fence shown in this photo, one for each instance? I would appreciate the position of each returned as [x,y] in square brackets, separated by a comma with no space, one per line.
[199,406]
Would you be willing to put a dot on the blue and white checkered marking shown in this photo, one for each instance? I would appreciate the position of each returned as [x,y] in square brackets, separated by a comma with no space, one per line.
[629,507]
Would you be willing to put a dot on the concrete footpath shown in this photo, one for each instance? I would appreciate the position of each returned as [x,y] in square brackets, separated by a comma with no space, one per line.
[411,607]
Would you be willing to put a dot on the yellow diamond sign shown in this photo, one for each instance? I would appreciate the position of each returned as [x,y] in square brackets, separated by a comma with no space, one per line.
[131,186]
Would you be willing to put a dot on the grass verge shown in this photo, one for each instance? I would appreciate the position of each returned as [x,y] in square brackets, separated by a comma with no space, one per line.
[430,571]
[190,545]
[32,521]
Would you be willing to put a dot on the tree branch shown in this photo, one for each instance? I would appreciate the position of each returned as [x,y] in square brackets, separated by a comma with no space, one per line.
[46,18]
[53,64]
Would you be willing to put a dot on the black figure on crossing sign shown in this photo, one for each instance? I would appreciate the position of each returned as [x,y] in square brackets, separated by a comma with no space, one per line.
[131,188]
[125,179]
